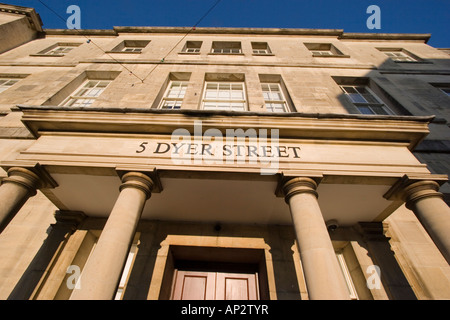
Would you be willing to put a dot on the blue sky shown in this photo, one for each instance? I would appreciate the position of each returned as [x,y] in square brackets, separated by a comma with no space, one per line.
[397,16]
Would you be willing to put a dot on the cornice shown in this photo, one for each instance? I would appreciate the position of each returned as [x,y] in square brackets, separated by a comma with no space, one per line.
[30,13]
[338,33]
[405,129]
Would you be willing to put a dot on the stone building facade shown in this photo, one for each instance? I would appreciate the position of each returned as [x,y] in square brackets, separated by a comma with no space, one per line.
[222,163]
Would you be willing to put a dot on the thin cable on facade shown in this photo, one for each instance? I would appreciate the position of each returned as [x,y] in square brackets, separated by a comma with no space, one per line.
[161,61]
[190,30]
[90,41]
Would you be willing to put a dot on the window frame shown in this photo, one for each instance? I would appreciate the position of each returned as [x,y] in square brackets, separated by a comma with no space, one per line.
[318,48]
[206,100]
[129,263]
[411,58]
[265,51]
[347,276]
[367,104]
[136,45]
[4,87]
[217,45]
[76,97]
[445,90]
[133,49]
[52,50]
[166,99]
[284,101]
[192,45]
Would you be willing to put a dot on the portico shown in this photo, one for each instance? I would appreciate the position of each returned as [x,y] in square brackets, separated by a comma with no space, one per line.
[350,169]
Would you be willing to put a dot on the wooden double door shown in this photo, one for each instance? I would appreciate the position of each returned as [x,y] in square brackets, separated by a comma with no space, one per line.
[215,285]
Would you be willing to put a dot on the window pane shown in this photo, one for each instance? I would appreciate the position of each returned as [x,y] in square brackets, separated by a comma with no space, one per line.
[365,110]
[354,95]
[276,96]
[80,102]
[379,110]
[172,104]
[91,84]
[6,83]
[275,107]
[348,89]
[367,95]
[224,94]
[81,93]
[211,85]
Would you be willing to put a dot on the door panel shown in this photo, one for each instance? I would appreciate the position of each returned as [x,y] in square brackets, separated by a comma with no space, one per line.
[199,285]
[194,285]
[236,286]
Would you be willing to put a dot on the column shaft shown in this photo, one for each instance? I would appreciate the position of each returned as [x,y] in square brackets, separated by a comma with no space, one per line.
[15,191]
[427,204]
[101,274]
[323,276]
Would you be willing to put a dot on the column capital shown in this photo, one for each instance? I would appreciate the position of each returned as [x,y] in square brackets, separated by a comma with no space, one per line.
[69,219]
[412,188]
[23,177]
[420,190]
[299,185]
[372,231]
[139,181]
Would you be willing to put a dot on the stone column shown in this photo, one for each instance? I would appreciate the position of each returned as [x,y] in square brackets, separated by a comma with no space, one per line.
[323,276]
[15,190]
[101,274]
[433,213]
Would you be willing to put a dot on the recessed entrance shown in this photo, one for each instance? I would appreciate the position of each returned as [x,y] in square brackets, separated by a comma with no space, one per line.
[210,273]
[215,281]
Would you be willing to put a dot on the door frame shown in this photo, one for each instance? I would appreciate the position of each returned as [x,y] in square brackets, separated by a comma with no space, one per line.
[178,248]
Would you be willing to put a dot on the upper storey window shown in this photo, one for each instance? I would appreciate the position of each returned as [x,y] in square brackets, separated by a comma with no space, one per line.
[261,48]
[87,93]
[130,46]
[365,100]
[224,96]
[226,47]
[273,97]
[443,87]
[399,55]
[192,47]
[59,49]
[173,97]
[446,91]
[324,50]
[6,83]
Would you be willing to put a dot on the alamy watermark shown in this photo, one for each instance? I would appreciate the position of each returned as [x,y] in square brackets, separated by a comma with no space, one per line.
[74,20]
[374,280]
[374,20]
[74,280]
[259,148]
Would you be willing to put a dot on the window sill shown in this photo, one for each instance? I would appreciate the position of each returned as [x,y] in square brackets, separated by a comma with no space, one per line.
[125,52]
[414,62]
[225,54]
[194,53]
[263,54]
[46,55]
[331,56]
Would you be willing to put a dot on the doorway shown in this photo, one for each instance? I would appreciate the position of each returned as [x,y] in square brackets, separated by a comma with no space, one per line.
[209,273]
[215,281]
